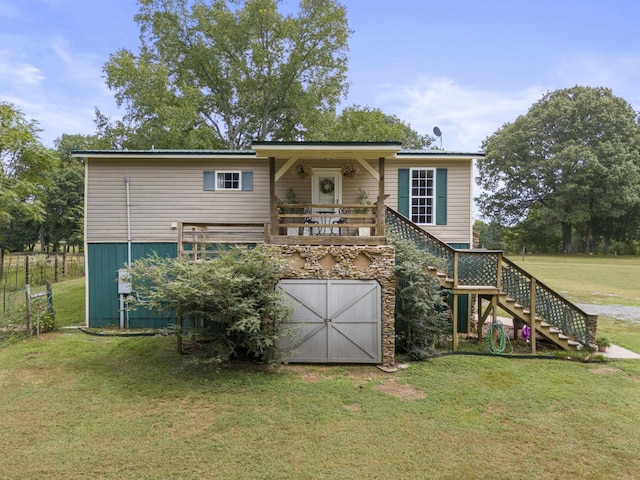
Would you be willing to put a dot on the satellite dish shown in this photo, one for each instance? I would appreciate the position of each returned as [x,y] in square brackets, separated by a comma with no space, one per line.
[438,133]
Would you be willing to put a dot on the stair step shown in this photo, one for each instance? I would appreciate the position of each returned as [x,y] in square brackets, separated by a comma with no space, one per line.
[573,343]
[555,330]
[563,337]
[545,324]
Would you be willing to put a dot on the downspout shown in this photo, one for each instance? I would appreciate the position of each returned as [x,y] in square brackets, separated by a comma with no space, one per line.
[122,295]
[126,182]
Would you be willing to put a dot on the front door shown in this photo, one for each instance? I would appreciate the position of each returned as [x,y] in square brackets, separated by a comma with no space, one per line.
[327,190]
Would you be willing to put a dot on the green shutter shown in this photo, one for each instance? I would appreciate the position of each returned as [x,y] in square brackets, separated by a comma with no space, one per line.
[209,180]
[441,196]
[247,181]
[403,191]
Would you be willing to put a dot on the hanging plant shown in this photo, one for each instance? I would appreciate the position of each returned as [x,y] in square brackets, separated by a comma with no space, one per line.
[327,186]
[303,171]
[350,169]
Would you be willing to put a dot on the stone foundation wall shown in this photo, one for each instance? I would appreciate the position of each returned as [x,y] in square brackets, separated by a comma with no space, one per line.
[326,262]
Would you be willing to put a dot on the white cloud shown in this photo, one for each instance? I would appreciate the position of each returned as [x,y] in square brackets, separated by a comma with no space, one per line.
[20,74]
[465,115]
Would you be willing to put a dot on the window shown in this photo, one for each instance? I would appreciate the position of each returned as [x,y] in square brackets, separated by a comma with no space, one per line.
[422,193]
[228,180]
[214,180]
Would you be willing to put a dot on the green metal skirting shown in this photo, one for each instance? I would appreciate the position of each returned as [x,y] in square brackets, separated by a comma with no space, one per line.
[103,262]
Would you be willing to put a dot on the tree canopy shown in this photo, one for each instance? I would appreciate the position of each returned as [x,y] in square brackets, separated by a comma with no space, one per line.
[217,74]
[365,124]
[574,159]
[24,162]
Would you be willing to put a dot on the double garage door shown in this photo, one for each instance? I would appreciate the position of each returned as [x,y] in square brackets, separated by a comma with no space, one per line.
[333,321]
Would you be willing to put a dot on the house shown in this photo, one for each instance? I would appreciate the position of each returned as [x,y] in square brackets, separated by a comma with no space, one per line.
[325,205]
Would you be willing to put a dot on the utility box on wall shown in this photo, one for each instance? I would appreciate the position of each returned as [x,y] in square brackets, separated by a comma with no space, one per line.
[124,282]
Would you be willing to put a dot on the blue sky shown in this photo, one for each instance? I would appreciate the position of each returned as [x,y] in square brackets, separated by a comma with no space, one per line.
[467,66]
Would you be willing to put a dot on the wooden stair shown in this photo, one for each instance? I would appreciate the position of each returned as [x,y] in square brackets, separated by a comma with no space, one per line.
[546,330]
[489,275]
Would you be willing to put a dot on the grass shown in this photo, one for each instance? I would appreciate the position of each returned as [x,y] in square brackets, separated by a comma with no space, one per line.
[80,406]
[77,406]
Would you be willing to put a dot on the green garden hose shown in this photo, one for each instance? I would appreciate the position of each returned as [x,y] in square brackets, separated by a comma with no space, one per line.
[497,339]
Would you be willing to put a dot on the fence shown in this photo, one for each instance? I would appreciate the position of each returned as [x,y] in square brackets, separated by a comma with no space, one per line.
[39,268]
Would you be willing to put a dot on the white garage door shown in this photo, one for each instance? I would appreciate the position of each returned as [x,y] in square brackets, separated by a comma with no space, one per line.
[333,321]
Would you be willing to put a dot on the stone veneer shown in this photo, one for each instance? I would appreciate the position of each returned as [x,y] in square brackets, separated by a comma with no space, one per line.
[326,262]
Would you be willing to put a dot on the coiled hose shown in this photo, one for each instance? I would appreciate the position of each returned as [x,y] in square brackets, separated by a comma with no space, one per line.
[497,339]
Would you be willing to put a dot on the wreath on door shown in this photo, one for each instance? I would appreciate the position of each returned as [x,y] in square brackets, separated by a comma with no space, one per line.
[327,186]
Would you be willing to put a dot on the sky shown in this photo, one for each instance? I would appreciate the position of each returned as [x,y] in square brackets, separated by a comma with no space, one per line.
[466,66]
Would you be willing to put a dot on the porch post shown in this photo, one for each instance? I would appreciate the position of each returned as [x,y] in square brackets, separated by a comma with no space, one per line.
[455,322]
[380,210]
[272,196]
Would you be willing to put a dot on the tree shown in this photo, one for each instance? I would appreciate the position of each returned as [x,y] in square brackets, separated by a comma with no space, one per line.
[24,164]
[364,124]
[220,74]
[574,157]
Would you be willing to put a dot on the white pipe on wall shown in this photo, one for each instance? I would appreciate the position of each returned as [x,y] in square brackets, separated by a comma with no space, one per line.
[128,204]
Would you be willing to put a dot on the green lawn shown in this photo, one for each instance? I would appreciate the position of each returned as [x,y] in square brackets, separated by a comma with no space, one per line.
[79,406]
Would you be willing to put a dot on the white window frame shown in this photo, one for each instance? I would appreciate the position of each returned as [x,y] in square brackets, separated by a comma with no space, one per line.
[430,200]
[220,181]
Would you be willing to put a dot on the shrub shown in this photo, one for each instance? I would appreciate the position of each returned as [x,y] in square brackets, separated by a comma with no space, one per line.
[231,294]
[422,316]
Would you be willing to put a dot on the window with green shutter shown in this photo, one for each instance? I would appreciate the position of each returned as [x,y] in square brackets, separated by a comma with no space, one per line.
[422,195]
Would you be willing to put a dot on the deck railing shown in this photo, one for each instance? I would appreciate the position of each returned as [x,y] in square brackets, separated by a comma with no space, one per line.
[490,268]
[327,219]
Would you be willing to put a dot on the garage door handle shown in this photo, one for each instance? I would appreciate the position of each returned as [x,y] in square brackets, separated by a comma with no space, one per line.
[327,320]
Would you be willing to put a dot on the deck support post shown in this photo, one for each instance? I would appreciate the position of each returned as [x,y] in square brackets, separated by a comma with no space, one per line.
[380,208]
[532,314]
[455,322]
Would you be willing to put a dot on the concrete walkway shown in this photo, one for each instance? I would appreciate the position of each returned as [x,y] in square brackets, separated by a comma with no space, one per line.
[614,352]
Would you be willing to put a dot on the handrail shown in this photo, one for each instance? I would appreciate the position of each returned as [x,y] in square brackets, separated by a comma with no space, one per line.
[550,306]
[463,267]
[484,268]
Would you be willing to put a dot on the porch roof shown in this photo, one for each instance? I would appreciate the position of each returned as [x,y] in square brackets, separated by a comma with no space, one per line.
[333,150]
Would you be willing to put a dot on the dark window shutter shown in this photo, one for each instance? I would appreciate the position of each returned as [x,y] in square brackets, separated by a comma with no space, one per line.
[209,180]
[441,196]
[247,181]
[403,191]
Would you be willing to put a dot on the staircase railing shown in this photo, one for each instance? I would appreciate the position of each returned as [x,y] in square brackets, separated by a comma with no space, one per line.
[490,268]
[549,305]
[463,267]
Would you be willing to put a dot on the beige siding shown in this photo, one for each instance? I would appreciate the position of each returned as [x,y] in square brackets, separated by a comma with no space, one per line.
[459,197]
[164,191]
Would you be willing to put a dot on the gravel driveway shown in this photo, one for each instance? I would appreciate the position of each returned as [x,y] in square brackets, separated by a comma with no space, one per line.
[620,312]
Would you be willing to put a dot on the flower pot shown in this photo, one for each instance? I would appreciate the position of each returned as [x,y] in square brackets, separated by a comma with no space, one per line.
[602,348]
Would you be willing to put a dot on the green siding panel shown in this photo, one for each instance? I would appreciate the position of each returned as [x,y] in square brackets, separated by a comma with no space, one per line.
[403,191]
[103,262]
[460,246]
[441,196]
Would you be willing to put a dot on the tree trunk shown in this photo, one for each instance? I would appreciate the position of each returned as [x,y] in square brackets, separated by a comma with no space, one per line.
[587,239]
[567,245]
